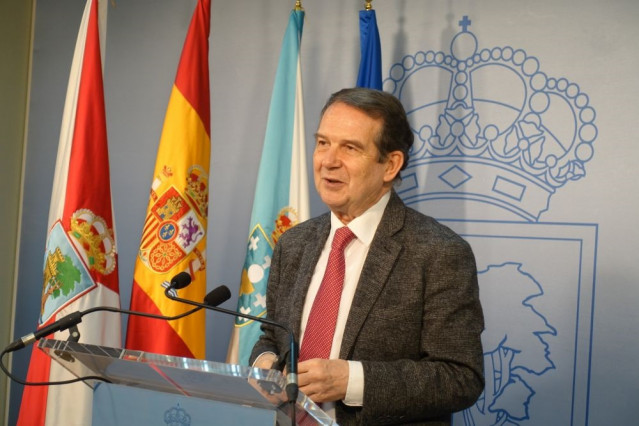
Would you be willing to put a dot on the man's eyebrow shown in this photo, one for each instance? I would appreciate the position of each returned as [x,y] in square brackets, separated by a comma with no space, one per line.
[352,141]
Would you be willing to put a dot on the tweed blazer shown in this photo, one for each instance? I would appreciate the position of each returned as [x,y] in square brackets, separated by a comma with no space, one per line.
[415,320]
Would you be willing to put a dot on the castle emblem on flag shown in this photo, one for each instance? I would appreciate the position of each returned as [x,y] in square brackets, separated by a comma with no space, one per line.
[59,276]
[67,266]
[171,233]
[70,258]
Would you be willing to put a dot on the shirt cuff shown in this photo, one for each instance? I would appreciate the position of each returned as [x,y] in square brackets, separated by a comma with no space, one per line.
[355,389]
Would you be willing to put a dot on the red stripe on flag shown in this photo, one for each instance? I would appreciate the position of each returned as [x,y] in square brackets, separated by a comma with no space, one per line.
[152,335]
[88,182]
[194,61]
[39,367]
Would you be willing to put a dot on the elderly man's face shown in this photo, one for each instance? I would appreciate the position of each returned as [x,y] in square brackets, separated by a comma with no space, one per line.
[348,174]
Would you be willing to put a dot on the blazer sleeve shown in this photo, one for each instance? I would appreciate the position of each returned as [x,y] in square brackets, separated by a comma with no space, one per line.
[430,363]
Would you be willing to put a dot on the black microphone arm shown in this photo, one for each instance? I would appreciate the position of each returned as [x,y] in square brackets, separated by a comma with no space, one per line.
[75,318]
[183,279]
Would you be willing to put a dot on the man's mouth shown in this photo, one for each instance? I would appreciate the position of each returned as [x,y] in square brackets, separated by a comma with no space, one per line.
[332,181]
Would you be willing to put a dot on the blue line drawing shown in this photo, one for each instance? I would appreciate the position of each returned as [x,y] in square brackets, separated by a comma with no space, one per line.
[539,315]
[510,354]
[500,111]
[496,138]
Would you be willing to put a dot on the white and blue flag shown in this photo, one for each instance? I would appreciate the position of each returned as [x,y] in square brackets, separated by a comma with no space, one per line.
[281,193]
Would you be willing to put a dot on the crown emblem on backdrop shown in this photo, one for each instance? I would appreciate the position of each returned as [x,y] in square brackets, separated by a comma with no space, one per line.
[177,416]
[491,126]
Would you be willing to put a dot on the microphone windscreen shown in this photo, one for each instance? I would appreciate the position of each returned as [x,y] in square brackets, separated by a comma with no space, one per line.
[181,280]
[217,296]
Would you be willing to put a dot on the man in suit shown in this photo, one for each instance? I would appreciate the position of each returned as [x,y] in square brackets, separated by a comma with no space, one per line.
[406,347]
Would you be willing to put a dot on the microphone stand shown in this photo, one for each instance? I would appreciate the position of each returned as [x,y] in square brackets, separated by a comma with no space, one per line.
[74,318]
[71,321]
[292,389]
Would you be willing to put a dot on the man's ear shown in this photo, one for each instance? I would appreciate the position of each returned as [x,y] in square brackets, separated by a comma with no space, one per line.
[394,162]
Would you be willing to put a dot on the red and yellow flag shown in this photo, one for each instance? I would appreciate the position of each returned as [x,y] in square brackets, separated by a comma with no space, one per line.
[174,233]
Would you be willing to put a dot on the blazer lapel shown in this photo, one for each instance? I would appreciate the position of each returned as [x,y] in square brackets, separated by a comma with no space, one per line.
[382,255]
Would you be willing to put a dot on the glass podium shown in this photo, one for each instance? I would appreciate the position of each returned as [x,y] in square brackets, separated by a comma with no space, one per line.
[153,385]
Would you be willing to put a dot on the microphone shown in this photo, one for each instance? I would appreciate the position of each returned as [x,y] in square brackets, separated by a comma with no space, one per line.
[183,279]
[62,324]
[221,294]
[215,297]
[65,323]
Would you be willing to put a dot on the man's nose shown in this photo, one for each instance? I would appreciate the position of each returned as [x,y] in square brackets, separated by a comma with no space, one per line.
[330,157]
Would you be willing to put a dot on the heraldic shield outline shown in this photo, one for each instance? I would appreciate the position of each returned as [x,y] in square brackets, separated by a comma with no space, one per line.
[171,233]
[496,138]
[66,275]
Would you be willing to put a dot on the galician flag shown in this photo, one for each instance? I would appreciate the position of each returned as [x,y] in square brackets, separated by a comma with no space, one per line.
[281,194]
[174,233]
[370,66]
[80,261]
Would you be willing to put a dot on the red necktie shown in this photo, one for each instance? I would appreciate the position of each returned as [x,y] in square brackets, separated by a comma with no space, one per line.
[320,328]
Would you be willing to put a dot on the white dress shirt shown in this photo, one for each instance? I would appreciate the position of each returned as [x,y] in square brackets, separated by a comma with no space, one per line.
[364,228]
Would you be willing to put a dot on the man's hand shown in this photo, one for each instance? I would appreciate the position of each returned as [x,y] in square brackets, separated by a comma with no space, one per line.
[265,361]
[323,380]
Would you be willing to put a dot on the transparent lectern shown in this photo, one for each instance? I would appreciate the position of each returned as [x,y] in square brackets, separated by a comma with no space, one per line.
[149,388]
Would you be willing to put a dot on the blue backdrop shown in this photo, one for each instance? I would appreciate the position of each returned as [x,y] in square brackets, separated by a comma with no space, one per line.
[523,118]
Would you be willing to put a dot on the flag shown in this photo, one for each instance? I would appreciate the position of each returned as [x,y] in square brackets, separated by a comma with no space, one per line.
[174,232]
[80,262]
[370,66]
[281,194]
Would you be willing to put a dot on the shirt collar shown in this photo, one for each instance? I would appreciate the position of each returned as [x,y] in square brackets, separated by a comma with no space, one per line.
[365,225]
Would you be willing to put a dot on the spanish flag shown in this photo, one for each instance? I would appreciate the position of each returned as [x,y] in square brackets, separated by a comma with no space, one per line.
[174,233]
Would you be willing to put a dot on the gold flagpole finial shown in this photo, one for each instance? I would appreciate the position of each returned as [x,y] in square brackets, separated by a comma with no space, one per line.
[369,6]
[298,5]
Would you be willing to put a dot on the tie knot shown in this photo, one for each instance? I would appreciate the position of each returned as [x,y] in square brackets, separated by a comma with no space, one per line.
[342,237]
